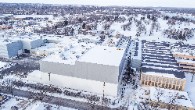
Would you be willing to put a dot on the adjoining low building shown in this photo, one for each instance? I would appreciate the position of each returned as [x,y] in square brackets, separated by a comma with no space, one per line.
[45,50]
[101,63]
[31,43]
[10,48]
[170,99]
[184,54]
[159,68]
[163,80]
[186,62]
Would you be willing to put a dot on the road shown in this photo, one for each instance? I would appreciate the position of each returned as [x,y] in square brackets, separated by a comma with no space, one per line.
[56,100]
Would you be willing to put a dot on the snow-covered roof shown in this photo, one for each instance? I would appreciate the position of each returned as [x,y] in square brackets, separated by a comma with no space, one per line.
[30,38]
[158,60]
[160,74]
[103,55]
[7,41]
[181,97]
[71,53]
[48,47]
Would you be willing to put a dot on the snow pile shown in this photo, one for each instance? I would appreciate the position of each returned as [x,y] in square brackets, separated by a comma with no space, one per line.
[70,54]
[2,64]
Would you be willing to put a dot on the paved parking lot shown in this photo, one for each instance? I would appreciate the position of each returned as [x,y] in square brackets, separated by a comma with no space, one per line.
[21,65]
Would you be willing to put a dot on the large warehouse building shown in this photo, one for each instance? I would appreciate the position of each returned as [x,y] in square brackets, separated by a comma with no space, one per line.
[101,63]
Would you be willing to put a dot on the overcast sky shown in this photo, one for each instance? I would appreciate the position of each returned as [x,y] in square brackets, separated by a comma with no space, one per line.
[155,3]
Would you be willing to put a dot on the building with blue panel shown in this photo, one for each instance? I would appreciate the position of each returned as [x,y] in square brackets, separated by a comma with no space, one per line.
[10,48]
[31,43]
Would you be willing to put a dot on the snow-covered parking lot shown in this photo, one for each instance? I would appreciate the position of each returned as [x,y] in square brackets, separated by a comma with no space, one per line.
[26,104]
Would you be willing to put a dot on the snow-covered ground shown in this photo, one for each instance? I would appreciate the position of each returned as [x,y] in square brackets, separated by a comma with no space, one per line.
[166,96]
[26,104]
[190,87]
[2,64]
[42,106]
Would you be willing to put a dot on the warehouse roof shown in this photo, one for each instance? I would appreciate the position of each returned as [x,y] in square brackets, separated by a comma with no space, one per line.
[158,59]
[7,41]
[103,55]
[70,54]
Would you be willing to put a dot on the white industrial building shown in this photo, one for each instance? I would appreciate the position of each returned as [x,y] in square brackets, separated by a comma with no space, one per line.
[100,64]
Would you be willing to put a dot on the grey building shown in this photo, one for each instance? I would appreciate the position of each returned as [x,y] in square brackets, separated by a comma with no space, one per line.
[10,48]
[31,43]
[100,63]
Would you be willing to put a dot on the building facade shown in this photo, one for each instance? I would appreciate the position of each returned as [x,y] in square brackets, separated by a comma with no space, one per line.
[10,49]
[163,82]
[84,70]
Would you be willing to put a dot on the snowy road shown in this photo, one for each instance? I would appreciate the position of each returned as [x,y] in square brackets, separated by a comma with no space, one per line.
[56,100]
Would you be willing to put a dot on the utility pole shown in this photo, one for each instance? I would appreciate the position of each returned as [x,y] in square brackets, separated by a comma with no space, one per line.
[192,77]
[103,94]
[49,75]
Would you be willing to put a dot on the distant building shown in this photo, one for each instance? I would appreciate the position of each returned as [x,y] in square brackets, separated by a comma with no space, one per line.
[186,62]
[31,43]
[184,54]
[10,48]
